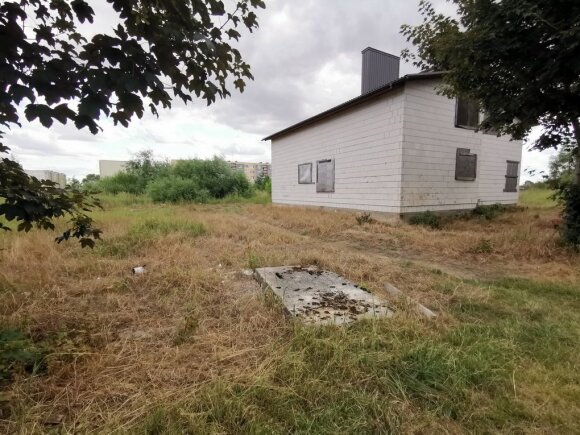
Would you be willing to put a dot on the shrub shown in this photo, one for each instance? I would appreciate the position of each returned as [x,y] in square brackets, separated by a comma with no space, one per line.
[426,218]
[264,183]
[488,212]
[122,182]
[176,189]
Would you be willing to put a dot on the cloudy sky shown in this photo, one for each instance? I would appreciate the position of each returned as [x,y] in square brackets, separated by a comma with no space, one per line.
[305,58]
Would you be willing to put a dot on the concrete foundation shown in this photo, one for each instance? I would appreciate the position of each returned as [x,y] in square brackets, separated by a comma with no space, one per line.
[320,297]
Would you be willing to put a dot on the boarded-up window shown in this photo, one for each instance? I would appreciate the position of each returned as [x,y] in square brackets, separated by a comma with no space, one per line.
[466,114]
[465,165]
[305,173]
[325,175]
[511,176]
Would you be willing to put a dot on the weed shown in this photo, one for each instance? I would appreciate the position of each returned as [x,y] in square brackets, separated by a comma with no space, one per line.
[484,246]
[426,218]
[254,260]
[364,218]
[488,212]
[188,326]
[17,352]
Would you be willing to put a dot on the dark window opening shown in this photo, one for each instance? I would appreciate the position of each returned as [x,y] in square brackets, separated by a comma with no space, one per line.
[325,175]
[465,165]
[466,114]
[511,176]
[305,173]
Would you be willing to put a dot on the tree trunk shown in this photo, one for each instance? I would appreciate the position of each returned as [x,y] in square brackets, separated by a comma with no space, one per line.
[576,153]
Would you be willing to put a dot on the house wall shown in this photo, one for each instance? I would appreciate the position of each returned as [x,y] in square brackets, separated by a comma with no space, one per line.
[365,142]
[430,141]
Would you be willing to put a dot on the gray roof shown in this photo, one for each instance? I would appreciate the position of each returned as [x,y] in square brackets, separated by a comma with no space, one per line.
[356,101]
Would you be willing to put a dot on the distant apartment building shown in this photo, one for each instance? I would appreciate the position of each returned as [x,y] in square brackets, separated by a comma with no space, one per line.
[42,174]
[108,168]
[253,171]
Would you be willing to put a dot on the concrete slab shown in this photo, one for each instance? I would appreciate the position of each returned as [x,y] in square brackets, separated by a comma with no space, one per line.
[319,297]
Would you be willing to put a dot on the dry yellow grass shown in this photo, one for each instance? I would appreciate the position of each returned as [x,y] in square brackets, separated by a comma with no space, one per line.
[120,345]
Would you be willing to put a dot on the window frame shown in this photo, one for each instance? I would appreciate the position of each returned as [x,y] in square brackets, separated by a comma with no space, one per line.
[311,175]
[512,177]
[456,121]
[318,186]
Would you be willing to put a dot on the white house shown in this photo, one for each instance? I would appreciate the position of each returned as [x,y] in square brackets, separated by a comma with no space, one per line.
[399,148]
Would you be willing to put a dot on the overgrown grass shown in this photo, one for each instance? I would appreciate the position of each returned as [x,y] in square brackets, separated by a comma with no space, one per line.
[194,346]
[537,197]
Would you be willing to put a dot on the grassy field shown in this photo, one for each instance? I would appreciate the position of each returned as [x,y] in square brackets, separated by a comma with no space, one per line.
[194,346]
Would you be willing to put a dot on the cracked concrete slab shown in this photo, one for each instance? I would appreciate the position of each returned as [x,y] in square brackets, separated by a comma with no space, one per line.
[321,297]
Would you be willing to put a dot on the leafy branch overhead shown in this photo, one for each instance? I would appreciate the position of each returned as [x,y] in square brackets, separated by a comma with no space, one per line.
[160,50]
[35,203]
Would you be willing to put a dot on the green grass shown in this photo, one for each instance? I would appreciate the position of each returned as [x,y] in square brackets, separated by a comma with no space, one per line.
[258,197]
[537,197]
[395,375]
[142,233]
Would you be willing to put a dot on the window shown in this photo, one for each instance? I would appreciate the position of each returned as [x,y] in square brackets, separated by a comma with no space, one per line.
[305,173]
[511,176]
[465,165]
[466,114]
[325,175]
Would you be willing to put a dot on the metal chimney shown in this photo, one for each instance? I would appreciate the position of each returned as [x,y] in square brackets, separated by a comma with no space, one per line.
[378,69]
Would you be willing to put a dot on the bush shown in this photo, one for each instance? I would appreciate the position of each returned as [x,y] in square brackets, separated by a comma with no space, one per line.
[571,215]
[215,176]
[426,218]
[176,189]
[122,182]
[488,212]
[264,183]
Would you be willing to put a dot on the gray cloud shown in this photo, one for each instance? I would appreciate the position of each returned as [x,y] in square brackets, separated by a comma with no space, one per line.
[306,58]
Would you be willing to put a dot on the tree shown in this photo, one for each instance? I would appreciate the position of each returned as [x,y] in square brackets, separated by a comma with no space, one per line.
[561,169]
[520,59]
[263,182]
[91,178]
[146,167]
[160,50]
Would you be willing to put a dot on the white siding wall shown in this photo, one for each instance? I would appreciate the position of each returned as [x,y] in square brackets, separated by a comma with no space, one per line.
[365,142]
[430,141]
